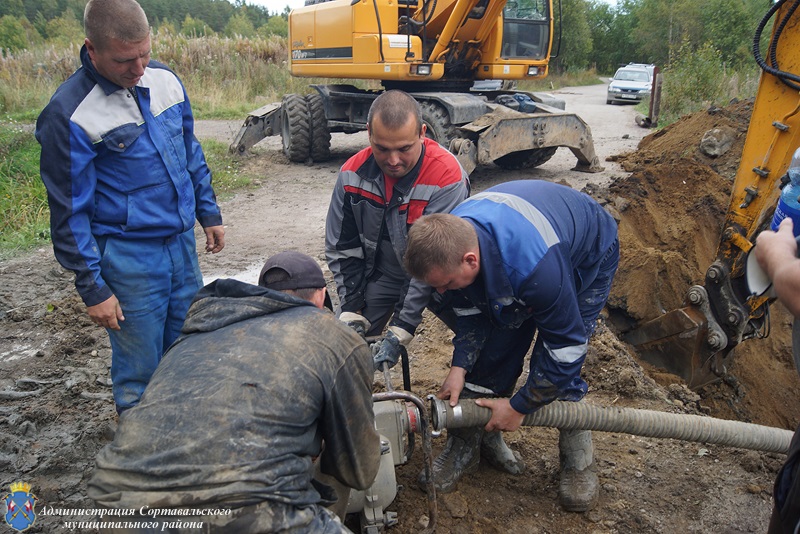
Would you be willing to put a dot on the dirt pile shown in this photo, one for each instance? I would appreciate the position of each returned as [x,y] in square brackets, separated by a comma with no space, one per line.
[671,211]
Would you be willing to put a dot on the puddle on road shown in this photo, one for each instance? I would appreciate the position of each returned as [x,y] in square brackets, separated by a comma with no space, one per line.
[20,352]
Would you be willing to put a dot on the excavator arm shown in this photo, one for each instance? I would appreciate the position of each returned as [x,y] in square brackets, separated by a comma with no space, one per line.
[697,341]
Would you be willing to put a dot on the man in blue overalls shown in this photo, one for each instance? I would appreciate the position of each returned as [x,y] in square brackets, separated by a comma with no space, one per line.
[523,259]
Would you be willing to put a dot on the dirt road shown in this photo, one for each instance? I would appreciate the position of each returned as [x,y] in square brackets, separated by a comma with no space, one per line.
[293,198]
[56,410]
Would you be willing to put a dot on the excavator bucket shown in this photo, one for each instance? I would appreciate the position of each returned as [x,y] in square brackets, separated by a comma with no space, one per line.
[678,342]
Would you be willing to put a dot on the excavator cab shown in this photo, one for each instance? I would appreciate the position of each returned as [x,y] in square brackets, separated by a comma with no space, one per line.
[526,30]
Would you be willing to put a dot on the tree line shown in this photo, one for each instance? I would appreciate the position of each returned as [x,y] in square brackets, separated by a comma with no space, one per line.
[597,34]
[32,22]
[594,34]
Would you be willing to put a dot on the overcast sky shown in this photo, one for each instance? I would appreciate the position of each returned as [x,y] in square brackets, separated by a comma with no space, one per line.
[276,6]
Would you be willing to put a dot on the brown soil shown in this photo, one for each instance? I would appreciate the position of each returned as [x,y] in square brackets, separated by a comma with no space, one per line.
[672,208]
[56,412]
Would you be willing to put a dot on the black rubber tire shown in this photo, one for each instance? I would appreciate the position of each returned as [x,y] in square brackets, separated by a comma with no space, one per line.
[318,124]
[437,123]
[526,159]
[295,132]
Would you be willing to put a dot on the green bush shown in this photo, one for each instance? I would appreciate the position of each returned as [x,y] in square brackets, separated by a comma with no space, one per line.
[64,30]
[275,25]
[12,35]
[192,27]
[240,26]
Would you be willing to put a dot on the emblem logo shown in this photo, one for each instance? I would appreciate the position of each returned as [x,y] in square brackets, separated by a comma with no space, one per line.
[20,503]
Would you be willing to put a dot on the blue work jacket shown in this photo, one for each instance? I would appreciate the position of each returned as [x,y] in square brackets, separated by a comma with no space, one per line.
[117,167]
[541,245]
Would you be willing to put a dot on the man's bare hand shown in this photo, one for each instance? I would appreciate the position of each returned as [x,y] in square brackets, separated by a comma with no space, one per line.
[215,238]
[776,250]
[107,314]
[504,417]
[453,384]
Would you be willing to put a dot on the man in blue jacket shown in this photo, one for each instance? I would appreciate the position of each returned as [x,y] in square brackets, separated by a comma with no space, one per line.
[126,179]
[521,258]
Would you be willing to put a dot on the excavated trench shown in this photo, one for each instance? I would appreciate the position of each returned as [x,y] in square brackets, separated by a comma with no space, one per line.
[671,209]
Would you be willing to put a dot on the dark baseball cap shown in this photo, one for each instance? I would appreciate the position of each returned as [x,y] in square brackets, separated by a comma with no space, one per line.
[302,270]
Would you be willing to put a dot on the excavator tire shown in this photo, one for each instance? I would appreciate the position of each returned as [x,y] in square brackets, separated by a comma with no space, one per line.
[437,123]
[295,132]
[320,136]
[525,159]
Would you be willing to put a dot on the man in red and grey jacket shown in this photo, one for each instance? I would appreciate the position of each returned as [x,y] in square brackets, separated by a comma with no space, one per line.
[379,194]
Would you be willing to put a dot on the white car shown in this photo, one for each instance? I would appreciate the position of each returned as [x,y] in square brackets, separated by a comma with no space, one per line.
[651,69]
[629,84]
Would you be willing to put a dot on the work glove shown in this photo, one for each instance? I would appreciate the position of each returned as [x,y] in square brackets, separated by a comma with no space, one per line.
[390,347]
[357,322]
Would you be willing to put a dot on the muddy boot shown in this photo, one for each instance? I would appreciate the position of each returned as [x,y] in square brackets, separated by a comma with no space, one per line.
[578,489]
[460,455]
[495,451]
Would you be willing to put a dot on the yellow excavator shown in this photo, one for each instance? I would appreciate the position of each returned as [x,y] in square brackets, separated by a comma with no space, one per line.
[697,341]
[458,58]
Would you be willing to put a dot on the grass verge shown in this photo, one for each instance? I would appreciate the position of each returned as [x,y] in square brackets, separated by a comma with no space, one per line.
[24,214]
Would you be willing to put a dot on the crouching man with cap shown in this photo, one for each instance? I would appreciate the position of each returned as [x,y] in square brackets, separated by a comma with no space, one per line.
[262,380]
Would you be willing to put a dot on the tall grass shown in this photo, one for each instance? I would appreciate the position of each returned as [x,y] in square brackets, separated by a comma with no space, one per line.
[24,216]
[695,80]
[28,78]
[225,78]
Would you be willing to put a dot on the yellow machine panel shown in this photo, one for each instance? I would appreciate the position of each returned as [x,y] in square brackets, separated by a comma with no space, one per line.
[327,35]
[459,40]
[364,20]
[393,49]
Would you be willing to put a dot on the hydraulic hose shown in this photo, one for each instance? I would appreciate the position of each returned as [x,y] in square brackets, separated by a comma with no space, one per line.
[649,423]
[787,78]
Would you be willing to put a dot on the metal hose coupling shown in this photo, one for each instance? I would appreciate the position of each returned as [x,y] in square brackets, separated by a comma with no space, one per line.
[647,423]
